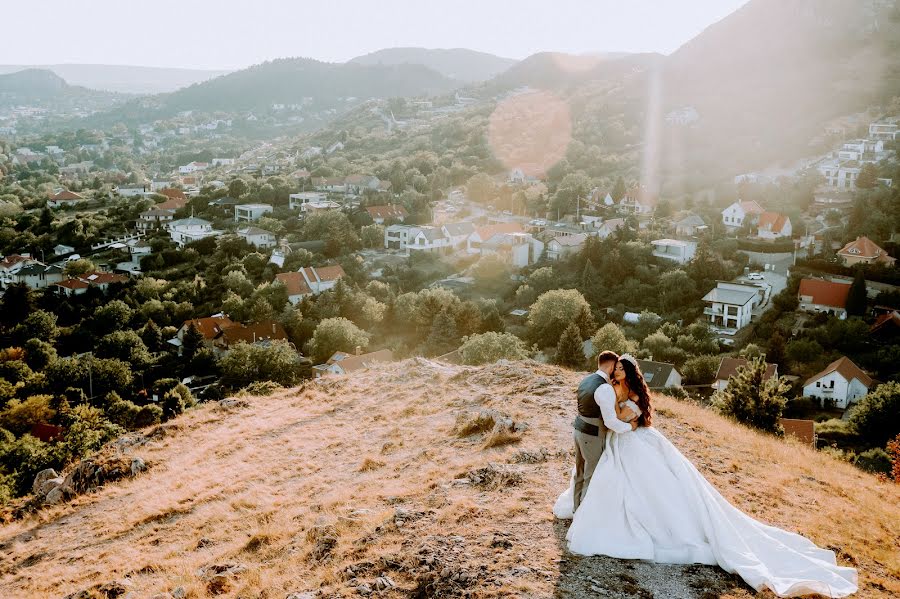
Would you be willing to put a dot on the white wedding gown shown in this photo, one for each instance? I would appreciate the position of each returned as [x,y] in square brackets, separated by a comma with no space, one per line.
[647,501]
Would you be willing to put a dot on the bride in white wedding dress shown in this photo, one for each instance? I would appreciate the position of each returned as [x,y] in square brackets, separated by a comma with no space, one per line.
[647,501]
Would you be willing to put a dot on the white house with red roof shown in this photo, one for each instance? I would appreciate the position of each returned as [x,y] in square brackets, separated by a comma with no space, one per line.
[65,198]
[11,264]
[864,251]
[738,213]
[773,225]
[816,295]
[482,234]
[842,382]
[309,281]
[192,167]
[380,214]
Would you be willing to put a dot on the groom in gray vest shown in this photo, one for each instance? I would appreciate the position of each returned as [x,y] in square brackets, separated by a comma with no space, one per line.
[590,430]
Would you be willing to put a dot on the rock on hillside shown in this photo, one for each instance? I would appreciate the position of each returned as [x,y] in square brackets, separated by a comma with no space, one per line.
[414,480]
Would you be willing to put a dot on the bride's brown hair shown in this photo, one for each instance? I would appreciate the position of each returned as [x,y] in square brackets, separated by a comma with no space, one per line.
[635,381]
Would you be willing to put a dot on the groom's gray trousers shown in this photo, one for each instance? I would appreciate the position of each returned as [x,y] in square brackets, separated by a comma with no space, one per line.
[588,449]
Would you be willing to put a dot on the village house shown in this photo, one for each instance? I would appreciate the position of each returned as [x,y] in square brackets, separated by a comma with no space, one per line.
[690,226]
[310,208]
[457,234]
[660,375]
[297,200]
[160,184]
[248,213]
[192,167]
[864,251]
[11,264]
[816,295]
[62,250]
[261,333]
[309,281]
[886,326]
[426,239]
[332,184]
[728,368]
[482,234]
[154,218]
[675,250]
[71,287]
[344,363]
[209,328]
[773,225]
[65,198]
[79,285]
[735,215]
[609,227]
[258,238]
[175,198]
[731,304]
[840,174]
[356,184]
[188,230]
[563,246]
[638,201]
[517,249]
[380,214]
[884,130]
[225,205]
[36,275]
[840,384]
[397,236]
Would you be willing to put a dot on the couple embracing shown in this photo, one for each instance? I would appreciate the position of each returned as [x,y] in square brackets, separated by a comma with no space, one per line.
[633,495]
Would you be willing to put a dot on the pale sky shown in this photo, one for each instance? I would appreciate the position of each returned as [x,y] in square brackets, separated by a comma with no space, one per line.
[231,34]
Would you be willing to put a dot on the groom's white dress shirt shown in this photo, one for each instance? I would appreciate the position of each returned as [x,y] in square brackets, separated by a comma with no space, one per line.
[605,397]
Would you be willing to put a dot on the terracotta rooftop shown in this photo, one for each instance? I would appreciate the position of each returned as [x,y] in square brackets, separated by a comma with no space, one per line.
[773,221]
[388,211]
[350,362]
[751,207]
[66,195]
[294,283]
[267,330]
[847,369]
[825,293]
[73,284]
[865,248]
[728,366]
[210,326]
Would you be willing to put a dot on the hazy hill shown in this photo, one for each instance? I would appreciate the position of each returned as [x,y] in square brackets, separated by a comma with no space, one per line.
[556,70]
[41,87]
[287,81]
[124,78]
[765,79]
[331,486]
[459,64]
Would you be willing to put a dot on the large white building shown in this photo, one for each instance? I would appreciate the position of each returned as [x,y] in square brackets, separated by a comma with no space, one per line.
[731,304]
[738,213]
[676,250]
[188,230]
[250,212]
[296,201]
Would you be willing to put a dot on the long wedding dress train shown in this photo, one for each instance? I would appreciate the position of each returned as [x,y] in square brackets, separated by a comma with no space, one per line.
[647,501]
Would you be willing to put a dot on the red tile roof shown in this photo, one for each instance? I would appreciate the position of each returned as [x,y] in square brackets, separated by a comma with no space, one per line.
[325,273]
[267,330]
[751,207]
[211,326]
[886,322]
[73,284]
[294,283]
[865,249]
[386,212]
[847,369]
[66,195]
[13,259]
[103,278]
[173,193]
[729,366]
[773,221]
[824,293]
[351,362]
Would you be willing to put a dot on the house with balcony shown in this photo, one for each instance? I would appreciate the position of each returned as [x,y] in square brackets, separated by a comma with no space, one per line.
[297,200]
[38,276]
[738,213]
[189,230]
[884,130]
[248,213]
[731,305]
[638,201]
[675,250]
[258,238]
[864,251]
[773,225]
[840,384]
[396,236]
[154,218]
[818,296]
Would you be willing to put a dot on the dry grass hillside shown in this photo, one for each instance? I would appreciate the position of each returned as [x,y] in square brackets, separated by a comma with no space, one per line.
[390,483]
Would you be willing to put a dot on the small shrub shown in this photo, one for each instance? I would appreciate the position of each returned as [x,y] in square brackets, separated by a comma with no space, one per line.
[172,405]
[468,424]
[876,461]
[148,415]
[369,464]
[259,389]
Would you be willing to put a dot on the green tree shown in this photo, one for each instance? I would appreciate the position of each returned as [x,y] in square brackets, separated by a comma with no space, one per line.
[490,347]
[40,324]
[877,415]
[372,236]
[480,188]
[868,176]
[443,337]
[17,303]
[152,336]
[335,334]
[569,350]
[700,370]
[237,188]
[78,268]
[38,355]
[554,311]
[245,364]
[751,400]
[619,190]
[856,296]
[191,341]
[611,337]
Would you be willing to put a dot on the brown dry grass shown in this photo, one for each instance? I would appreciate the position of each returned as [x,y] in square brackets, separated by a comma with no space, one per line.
[288,488]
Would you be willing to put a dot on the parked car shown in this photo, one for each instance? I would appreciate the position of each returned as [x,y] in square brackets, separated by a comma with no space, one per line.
[755,276]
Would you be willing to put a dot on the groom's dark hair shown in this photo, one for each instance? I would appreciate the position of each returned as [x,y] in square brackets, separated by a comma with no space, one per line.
[607,356]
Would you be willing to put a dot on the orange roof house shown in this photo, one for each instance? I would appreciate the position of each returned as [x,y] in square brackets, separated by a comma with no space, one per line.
[816,295]
[864,250]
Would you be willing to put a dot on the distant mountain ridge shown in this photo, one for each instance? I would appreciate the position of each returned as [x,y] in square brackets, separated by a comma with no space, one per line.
[127,79]
[460,64]
[41,87]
